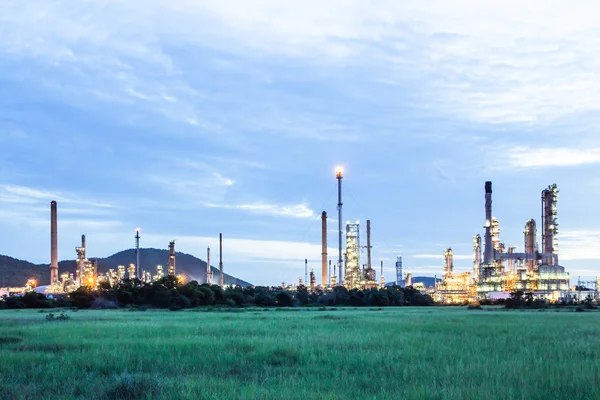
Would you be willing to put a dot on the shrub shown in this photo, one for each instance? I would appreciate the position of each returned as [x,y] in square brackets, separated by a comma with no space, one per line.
[101,303]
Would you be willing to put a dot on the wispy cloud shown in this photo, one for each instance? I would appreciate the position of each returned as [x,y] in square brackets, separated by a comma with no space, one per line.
[579,245]
[532,157]
[294,210]
[24,194]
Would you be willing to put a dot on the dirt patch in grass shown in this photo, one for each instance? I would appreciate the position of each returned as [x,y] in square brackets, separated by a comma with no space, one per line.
[10,340]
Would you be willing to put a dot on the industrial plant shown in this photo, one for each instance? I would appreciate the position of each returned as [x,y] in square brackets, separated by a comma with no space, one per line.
[501,269]
[87,274]
[498,269]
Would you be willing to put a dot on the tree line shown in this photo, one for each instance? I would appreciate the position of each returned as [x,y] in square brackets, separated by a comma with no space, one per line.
[168,293]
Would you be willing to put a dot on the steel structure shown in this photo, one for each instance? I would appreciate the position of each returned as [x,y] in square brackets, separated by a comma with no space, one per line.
[172,270]
[352,273]
[399,274]
[448,262]
[550,220]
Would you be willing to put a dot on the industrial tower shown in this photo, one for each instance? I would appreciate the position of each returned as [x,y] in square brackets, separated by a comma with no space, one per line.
[137,253]
[209,274]
[324,249]
[53,243]
[171,270]
[339,175]
[352,274]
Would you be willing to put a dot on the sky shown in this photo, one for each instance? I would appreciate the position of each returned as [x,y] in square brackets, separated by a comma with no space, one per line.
[192,118]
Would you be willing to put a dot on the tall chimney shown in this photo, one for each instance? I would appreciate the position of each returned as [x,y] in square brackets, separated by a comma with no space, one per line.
[83,246]
[221,259]
[53,243]
[339,174]
[368,245]
[137,253]
[324,249]
[488,255]
[209,275]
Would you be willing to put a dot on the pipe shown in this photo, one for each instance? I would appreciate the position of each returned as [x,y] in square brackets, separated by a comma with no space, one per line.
[221,259]
[324,249]
[53,243]
[488,255]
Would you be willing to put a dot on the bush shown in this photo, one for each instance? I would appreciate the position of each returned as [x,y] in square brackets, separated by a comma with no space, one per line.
[101,303]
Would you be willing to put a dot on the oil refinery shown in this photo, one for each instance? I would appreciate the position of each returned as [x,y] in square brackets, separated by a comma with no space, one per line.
[500,269]
[497,270]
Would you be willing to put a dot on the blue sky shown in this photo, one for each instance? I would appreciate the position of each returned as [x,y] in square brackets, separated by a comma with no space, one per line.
[192,118]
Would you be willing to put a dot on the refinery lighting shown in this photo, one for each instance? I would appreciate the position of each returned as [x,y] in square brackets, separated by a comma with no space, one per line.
[339,171]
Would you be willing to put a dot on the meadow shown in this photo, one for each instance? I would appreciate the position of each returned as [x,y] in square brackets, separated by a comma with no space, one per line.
[392,353]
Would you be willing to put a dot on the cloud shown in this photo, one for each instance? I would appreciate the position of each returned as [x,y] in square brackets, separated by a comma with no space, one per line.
[531,157]
[579,245]
[501,62]
[24,194]
[294,210]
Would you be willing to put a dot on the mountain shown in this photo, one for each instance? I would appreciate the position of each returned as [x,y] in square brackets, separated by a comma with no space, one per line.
[15,272]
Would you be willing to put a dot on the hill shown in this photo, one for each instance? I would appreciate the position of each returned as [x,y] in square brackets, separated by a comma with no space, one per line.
[15,272]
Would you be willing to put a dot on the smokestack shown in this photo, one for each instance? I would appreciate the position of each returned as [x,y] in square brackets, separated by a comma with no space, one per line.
[83,246]
[339,174]
[488,255]
[137,253]
[208,269]
[324,249]
[221,259]
[305,271]
[368,245]
[53,243]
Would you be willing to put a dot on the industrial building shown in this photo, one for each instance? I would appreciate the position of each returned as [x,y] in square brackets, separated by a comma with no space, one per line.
[87,270]
[501,269]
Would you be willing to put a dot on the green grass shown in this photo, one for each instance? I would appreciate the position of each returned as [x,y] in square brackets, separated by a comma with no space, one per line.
[400,353]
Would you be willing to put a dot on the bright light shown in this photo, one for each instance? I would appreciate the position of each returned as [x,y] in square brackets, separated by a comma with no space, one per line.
[137,229]
[339,171]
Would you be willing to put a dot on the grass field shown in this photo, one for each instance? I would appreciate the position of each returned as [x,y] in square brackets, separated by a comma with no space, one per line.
[400,353]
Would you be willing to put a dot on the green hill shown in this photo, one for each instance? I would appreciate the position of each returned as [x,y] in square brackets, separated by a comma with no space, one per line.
[15,272]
